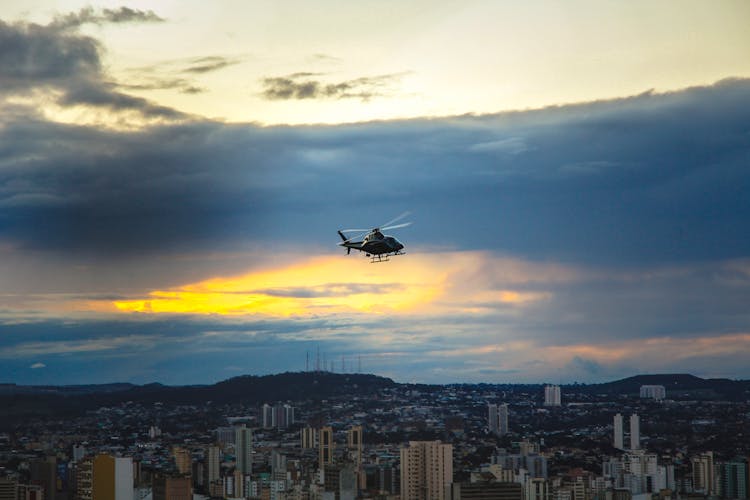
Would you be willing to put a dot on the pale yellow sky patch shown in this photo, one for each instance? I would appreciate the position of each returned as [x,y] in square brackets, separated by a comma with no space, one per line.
[454,57]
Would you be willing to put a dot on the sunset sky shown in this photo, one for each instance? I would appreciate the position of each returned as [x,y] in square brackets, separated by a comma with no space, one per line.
[172,176]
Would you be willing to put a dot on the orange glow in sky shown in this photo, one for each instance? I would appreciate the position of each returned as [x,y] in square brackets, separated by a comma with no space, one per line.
[341,284]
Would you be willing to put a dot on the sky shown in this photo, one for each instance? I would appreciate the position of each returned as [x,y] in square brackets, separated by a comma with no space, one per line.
[172,176]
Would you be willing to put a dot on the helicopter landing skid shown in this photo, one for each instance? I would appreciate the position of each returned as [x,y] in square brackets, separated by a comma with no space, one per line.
[384,257]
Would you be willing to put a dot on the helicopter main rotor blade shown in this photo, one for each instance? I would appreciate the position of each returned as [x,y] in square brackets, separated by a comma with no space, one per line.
[396,226]
[396,219]
[352,230]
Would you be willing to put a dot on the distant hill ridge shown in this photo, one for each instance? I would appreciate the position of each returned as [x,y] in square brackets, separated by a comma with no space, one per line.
[682,384]
[19,402]
[296,386]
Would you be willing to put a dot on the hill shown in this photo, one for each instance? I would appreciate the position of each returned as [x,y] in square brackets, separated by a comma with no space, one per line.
[18,402]
[678,386]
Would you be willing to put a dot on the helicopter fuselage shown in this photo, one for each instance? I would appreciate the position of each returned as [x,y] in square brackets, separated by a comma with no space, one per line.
[375,243]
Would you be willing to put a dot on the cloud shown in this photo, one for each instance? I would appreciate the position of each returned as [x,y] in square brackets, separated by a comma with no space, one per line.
[510,145]
[326,58]
[37,366]
[588,366]
[144,82]
[54,63]
[208,64]
[598,235]
[301,86]
[667,187]
[35,56]
[101,349]
[88,15]
[176,74]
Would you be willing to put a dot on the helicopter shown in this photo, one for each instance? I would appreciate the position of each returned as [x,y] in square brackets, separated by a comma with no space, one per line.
[376,245]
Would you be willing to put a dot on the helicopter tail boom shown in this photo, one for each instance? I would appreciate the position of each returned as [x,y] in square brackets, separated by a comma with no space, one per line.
[344,243]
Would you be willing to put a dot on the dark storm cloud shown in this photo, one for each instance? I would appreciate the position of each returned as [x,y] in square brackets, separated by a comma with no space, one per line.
[301,86]
[65,65]
[649,179]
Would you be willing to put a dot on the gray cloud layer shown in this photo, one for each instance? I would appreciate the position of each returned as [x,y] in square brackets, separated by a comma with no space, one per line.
[654,178]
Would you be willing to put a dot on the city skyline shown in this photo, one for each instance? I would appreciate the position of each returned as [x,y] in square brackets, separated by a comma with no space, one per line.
[172,177]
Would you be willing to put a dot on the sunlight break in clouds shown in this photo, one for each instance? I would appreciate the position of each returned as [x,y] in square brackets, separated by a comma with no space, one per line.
[334,285]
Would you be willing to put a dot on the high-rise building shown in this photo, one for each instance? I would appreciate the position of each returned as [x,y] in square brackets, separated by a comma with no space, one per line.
[172,488]
[226,435]
[354,444]
[30,492]
[527,448]
[238,484]
[308,438]
[243,449]
[426,470]
[537,489]
[79,451]
[638,472]
[288,415]
[84,479]
[266,416]
[182,460]
[213,464]
[387,478]
[734,479]
[279,416]
[348,483]
[532,462]
[8,488]
[112,478]
[486,490]
[502,418]
[492,423]
[552,395]
[635,432]
[44,472]
[498,419]
[278,466]
[325,446]
[703,473]
[656,392]
[618,437]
